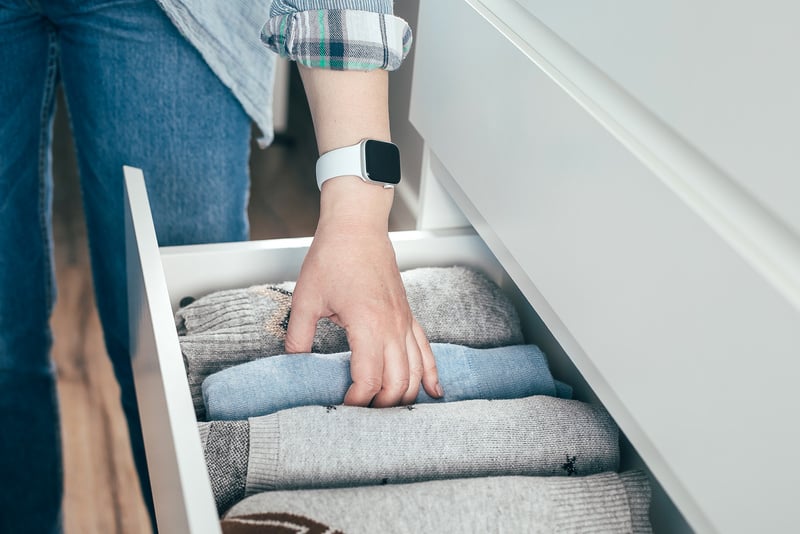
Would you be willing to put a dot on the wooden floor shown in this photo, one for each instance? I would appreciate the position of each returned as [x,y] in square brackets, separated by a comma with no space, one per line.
[101,487]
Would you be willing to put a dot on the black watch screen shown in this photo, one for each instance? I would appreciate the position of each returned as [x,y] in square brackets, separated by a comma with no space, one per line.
[382,161]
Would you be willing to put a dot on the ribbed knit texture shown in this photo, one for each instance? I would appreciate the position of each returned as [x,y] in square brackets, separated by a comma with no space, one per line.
[265,455]
[535,505]
[453,305]
[226,451]
[637,487]
[203,429]
[268,385]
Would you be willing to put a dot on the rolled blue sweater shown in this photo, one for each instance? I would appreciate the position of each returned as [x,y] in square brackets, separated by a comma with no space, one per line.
[268,385]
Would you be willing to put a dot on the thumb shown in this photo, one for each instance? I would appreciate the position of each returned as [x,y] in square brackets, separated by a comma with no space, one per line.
[302,326]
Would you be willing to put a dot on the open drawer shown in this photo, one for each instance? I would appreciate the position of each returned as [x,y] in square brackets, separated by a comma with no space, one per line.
[160,277]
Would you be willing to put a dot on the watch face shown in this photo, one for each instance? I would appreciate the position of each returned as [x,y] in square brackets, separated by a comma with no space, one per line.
[382,161]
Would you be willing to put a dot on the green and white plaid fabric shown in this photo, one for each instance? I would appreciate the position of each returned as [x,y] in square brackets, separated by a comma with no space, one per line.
[340,39]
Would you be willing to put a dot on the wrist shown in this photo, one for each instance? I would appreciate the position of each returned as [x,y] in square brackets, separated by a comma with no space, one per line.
[348,202]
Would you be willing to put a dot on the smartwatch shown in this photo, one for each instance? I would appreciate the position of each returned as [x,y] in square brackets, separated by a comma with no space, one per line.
[375,162]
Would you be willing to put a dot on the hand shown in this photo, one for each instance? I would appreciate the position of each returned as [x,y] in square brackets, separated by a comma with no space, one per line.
[350,275]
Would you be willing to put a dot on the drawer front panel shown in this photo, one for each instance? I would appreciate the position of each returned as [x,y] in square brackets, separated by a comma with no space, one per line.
[719,73]
[690,348]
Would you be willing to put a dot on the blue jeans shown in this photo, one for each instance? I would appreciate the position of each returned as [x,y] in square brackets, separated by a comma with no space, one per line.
[138,94]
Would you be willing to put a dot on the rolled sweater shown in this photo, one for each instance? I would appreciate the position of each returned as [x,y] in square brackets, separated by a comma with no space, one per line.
[268,385]
[606,502]
[338,446]
[452,304]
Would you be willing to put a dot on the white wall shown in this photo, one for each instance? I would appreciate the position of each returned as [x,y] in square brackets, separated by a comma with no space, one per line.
[404,213]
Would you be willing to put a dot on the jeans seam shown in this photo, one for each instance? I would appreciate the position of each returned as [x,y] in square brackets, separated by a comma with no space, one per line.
[48,102]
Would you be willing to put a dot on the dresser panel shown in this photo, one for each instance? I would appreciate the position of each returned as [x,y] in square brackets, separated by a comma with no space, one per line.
[690,347]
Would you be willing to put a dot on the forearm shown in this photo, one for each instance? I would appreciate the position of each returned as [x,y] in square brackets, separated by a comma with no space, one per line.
[346,107]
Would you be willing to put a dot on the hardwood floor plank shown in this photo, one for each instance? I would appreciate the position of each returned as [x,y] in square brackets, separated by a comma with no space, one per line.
[101,492]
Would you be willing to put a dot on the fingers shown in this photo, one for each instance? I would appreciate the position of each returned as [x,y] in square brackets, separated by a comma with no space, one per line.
[366,370]
[302,326]
[395,377]
[415,369]
[388,375]
[430,376]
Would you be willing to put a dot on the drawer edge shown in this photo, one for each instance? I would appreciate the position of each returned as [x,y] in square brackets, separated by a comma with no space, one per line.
[178,476]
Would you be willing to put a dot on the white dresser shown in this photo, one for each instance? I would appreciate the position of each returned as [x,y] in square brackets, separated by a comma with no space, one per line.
[627,172]
[635,168]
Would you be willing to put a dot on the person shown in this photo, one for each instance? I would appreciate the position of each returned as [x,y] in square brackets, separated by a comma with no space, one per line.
[172,87]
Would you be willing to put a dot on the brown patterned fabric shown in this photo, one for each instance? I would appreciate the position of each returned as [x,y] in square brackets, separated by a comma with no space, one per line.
[275,523]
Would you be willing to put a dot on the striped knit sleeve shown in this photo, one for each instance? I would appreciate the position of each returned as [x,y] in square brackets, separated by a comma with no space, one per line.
[338,34]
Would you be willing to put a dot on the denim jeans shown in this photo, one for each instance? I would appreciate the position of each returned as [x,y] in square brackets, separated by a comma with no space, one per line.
[138,94]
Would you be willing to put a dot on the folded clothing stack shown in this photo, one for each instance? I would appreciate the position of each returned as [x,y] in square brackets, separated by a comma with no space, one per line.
[469,466]
[283,453]
[452,304]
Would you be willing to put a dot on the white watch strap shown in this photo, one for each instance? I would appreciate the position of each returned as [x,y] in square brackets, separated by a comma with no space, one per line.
[345,161]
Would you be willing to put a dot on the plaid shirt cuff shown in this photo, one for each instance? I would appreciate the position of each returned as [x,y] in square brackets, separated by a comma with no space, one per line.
[340,39]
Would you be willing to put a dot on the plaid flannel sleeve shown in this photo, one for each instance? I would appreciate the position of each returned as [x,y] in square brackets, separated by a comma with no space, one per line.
[339,39]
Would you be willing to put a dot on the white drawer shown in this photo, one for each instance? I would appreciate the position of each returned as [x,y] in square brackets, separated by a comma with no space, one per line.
[677,299]
[159,278]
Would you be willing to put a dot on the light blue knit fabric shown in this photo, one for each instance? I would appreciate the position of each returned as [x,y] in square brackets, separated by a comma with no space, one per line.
[267,385]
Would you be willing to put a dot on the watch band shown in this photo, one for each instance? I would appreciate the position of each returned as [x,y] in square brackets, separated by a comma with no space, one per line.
[345,161]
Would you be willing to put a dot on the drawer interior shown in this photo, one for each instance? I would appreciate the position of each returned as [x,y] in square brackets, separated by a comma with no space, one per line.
[181,489]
